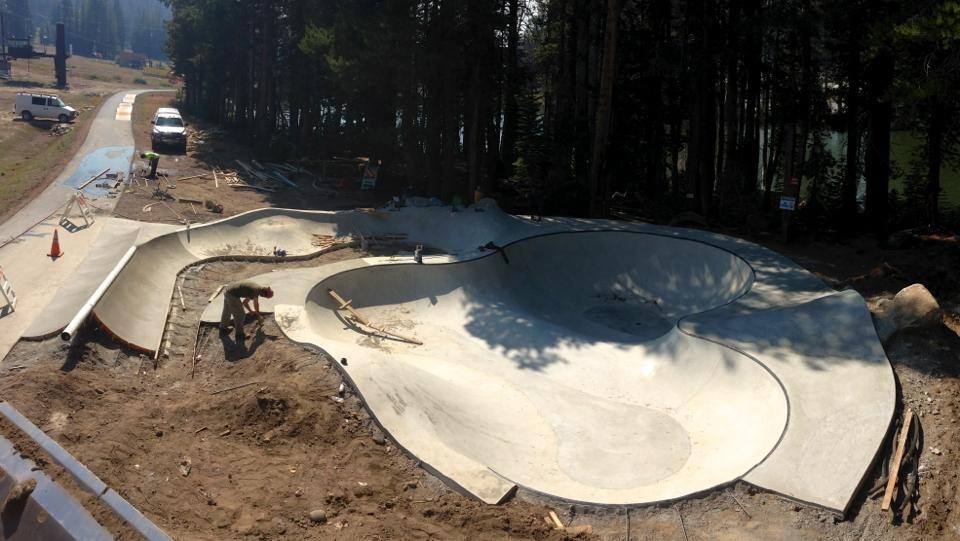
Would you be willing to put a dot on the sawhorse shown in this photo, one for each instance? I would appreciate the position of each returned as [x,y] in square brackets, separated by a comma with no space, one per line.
[83,206]
[9,296]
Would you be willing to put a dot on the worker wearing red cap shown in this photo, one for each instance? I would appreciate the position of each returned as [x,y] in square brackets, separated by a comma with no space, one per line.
[236,304]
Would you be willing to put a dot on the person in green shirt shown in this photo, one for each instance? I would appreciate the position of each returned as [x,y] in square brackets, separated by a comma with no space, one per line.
[154,162]
[236,304]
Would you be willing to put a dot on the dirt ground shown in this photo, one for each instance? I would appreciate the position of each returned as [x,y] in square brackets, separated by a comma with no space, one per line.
[209,148]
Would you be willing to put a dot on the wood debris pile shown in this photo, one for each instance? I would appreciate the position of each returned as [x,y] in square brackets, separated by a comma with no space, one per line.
[265,178]
[60,129]
[325,242]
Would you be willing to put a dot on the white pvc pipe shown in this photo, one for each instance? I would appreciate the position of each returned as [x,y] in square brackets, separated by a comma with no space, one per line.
[85,310]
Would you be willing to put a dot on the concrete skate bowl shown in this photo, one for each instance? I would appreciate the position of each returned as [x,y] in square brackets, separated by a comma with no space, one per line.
[563,370]
[135,304]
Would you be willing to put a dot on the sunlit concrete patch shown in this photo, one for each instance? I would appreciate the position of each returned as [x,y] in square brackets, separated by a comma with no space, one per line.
[597,361]
[124,112]
[125,107]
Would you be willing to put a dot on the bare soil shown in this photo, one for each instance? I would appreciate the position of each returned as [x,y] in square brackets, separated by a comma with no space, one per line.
[210,148]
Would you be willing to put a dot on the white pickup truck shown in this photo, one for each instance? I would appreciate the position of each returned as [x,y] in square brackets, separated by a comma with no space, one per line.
[30,106]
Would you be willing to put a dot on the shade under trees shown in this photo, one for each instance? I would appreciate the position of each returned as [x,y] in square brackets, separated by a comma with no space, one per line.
[589,106]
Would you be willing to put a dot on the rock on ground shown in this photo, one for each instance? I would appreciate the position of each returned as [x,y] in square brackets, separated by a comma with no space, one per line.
[914,306]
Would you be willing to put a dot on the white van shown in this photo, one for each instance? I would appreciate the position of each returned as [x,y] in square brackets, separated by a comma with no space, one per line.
[30,106]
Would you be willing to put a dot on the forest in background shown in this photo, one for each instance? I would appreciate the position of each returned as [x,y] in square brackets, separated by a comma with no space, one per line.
[580,107]
[100,28]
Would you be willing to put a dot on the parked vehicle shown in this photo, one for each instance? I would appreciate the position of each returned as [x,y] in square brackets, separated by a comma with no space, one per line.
[166,111]
[30,106]
[169,129]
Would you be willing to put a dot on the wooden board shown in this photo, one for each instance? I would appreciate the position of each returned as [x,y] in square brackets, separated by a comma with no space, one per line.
[897,458]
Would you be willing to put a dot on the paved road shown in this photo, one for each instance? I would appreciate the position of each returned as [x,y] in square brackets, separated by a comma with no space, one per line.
[107,132]
[26,237]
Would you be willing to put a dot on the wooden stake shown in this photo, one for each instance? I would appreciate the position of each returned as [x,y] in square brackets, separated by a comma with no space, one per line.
[683,527]
[192,177]
[216,181]
[897,458]
[345,304]
[235,387]
[556,521]
[740,505]
[215,293]
[183,305]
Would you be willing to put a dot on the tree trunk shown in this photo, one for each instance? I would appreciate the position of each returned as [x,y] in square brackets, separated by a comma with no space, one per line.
[936,125]
[265,120]
[878,149]
[511,88]
[599,182]
[851,172]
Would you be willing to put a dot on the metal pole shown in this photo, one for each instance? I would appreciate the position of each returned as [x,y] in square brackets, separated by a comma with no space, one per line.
[3,33]
[70,331]
[60,58]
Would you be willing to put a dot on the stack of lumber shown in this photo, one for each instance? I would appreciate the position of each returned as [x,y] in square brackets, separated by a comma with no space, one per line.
[328,241]
[325,242]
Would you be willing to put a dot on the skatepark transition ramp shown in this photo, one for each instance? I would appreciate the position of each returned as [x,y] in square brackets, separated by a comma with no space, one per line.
[564,370]
[595,361]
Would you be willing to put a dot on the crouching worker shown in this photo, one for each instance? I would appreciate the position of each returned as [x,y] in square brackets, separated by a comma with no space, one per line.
[236,304]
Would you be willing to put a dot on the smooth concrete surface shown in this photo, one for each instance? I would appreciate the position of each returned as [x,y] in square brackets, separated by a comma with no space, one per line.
[832,365]
[607,362]
[101,256]
[37,278]
[545,369]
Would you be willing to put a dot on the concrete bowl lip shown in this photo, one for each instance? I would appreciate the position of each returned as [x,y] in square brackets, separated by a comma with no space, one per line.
[384,262]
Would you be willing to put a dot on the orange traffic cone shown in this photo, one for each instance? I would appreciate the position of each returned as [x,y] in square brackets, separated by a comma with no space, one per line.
[55,250]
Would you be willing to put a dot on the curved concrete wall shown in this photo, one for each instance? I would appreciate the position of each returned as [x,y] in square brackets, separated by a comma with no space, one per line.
[513,374]
[652,336]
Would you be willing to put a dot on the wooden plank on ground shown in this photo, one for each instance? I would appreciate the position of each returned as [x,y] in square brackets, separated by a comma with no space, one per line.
[897,458]
[215,293]
[556,520]
[345,304]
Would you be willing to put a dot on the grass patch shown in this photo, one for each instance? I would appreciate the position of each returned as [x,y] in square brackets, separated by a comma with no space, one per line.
[25,163]
[139,81]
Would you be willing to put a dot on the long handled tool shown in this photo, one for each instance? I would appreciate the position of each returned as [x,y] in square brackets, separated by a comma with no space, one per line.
[345,305]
